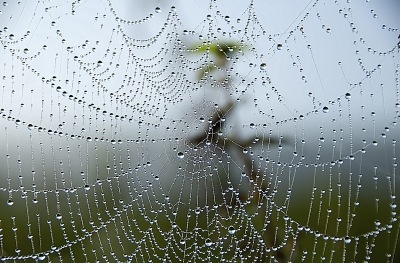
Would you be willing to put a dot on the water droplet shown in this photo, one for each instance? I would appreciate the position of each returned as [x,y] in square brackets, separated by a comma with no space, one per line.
[41,257]
[180,155]
[363,150]
[279,46]
[10,202]
[348,96]
[58,216]
[227,19]
[208,242]
[182,241]
[157,10]
[325,109]
[231,230]
[374,143]
[26,51]
[11,36]
[263,66]
[87,187]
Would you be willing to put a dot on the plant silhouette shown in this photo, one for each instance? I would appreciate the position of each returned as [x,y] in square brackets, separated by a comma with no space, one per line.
[213,135]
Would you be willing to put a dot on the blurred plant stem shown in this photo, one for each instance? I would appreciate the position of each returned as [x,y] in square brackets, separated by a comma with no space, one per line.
[213,135]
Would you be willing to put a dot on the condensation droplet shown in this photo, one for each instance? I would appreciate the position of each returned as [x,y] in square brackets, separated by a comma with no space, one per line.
[10,202]
[263,66]
[363,150]
[279,46]
[180,155]
[208,242]
[231,230]
[58,216]
[158,10]
[348,96]
[41,257]
[325,109]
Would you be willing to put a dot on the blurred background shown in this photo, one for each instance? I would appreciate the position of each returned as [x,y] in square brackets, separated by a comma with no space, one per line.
[192,131]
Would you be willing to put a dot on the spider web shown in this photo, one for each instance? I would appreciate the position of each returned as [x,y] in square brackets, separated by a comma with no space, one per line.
[192,131]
